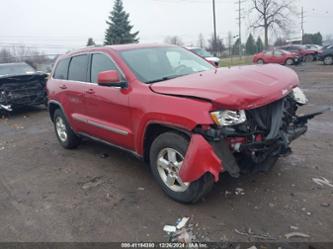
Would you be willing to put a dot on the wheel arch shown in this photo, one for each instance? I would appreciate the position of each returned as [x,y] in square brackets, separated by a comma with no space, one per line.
[153,130]
[53,106]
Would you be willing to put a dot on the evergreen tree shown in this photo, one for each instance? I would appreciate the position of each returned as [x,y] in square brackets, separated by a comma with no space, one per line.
[250,47]
[91,42]
[119,27]
[316,38]
[260,45]
[236,47]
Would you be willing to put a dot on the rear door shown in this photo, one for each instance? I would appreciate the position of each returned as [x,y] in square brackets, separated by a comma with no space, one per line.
[107,107]
[268,56]
[278,57]
[75,88]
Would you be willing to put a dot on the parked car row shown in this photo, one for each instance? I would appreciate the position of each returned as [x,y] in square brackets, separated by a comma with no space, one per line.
[295,54]
[326,55]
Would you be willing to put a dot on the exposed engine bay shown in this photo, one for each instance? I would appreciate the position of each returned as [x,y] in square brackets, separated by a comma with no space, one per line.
[22,90]
[263,137]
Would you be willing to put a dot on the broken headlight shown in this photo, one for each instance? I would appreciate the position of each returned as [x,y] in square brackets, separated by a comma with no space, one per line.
[228,117]
[299,96]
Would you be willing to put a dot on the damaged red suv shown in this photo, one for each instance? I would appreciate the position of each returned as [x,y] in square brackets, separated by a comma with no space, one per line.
[188,120]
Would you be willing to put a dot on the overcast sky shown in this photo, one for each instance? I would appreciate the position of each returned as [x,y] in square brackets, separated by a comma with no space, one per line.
[58,25]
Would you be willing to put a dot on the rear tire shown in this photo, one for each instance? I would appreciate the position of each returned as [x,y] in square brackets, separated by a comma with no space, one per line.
[290,62]
[66,136]
[166,156]
[260,61]
[328,60]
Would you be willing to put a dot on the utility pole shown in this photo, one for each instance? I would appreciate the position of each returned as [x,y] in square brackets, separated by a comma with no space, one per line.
[214,20]
[240,27]
[302,23]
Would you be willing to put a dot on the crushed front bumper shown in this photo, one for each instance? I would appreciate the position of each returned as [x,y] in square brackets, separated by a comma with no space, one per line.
[215,150]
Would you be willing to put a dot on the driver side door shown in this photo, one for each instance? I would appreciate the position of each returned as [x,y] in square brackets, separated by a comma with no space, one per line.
[107,108]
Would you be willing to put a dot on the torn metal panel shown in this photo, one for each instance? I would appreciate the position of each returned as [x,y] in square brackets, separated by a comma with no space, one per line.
[22,90]
[266,134]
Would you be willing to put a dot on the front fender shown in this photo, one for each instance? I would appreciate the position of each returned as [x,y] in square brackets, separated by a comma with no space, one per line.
[200,159]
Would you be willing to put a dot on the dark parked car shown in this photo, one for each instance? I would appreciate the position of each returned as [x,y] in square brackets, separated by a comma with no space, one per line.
[188,119]
[21,85]
[306,55]
[277,56]
[326,55]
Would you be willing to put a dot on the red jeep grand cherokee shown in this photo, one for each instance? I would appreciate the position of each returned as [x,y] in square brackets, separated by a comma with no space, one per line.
[168,106]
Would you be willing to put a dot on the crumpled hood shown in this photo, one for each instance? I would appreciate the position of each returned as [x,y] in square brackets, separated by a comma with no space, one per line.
[244,87]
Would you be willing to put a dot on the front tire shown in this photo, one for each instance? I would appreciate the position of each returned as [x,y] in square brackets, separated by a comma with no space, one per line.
[309,58]
[328,60]
[66,136]
[166,157]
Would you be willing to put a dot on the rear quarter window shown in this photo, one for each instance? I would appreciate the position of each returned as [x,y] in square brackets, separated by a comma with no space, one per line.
[61,70]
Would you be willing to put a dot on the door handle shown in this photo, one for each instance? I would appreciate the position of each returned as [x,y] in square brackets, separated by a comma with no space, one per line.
[63,87]
[90,91]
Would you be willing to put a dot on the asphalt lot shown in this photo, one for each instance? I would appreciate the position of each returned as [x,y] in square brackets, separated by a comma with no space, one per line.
[97,193]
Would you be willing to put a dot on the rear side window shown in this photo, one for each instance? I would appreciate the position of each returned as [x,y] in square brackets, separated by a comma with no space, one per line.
[61,70]
[78,68]
[100,63]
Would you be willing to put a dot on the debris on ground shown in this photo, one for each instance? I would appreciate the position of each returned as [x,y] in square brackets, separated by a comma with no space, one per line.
[92,183]
[141,189]
[104,155]
[2,148]
[169,229]
[249,233]
[181,232]
[324,204]
[227,194]
[294,227]
[182,222]
[296,234]
[322,181]
[239,191]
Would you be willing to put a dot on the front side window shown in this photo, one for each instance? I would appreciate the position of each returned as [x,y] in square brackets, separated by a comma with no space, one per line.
[61,70]
[152,65]
[100,63]
[78,68]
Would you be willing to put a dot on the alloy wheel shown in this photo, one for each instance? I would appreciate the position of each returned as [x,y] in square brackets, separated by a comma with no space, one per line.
[169,162]
[61,129]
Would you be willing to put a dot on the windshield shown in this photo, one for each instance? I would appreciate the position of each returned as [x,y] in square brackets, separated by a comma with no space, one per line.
[202,52]
[15,69]
[162,63]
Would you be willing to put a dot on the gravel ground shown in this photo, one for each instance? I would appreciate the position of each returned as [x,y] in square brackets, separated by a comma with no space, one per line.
[97,193]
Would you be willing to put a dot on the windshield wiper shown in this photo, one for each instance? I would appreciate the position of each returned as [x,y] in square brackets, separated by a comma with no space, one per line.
[165,78]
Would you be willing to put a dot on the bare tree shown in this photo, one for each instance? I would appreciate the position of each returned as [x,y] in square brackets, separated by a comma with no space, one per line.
[272,15]
[201,41]
[6,56]
[174,40]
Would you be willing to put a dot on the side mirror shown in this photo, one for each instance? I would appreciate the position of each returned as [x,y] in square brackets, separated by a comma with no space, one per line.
[110,78]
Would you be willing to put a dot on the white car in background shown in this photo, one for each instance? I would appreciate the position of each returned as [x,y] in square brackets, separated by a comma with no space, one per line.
[205,54]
